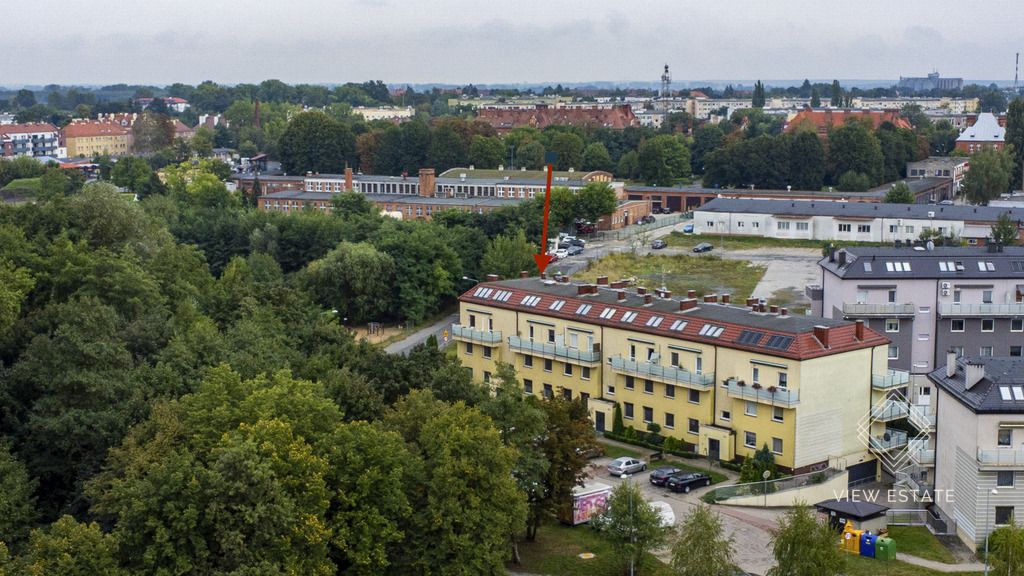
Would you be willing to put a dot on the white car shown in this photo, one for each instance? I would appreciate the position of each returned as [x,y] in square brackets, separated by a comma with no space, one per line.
[664,509]
[626,465]
[561,253]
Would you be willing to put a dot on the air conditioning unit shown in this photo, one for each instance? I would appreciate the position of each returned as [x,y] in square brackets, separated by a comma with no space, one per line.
[945,285]
[945,291]
[931,214]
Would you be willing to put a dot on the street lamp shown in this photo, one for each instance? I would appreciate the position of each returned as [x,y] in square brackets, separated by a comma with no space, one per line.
[471,279]
[764,486]
[988,514]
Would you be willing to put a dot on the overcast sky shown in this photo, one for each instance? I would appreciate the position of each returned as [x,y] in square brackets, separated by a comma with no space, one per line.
[492,41]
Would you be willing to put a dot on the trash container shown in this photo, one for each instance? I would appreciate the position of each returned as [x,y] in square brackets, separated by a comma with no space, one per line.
[885,549]
[851,539]
[867,545]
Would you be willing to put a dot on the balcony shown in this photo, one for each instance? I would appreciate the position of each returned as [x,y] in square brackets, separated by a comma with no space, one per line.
[1001,458]
[988,310]
[891,410]
[889,380]
[780,397]
[923,457]
[467,334]
[665,374]
[890,310]
[892,440]
[554,351]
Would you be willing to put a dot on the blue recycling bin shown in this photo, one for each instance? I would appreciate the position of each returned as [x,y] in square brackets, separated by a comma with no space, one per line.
[867,545]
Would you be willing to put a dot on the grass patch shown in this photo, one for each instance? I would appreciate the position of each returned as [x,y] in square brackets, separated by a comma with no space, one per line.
[557,549]
[706,275]
[27,184]
[918,541]
[861,566]
[615,451]
[680,240]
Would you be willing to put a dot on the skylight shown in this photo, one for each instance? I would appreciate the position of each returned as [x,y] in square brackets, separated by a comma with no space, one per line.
[897,266]
[607,313]
[1004,393]
[779,342]
[556,305]
[986,266]
[583,309]
[655,321]
[530,301]
[628,316]
[711,331]
[678,325]
[749,337]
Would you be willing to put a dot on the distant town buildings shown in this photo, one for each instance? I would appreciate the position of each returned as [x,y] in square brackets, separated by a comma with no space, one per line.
[618,117]
[930,82]
[90,138]
[985,133]
[173,103]
[392,113]
[33,139]
[821,120]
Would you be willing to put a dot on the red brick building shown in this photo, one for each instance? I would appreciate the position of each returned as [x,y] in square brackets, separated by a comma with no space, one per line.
[617,117]
[823,120]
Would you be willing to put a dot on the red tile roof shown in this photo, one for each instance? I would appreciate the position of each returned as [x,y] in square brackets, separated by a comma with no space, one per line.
[80,129]
[617,117]
[30,128]
[823,120]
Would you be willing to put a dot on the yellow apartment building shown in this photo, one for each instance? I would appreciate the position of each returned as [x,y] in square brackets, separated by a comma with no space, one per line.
[723,378]
[88,139]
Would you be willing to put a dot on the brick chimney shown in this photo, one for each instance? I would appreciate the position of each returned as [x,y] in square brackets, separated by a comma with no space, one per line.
[492,277]
[524,274]
[563,279]
[950,364]
[543,275]
[726,298]
[584,289]
[783,312]
[619,284]
[691,293]
[602,280]
[858,329]
[821,333]
[348,179]
[428,182]
[711,298]
[621,295]
[687,304]
[752,301]
[648,298]
[641,290]
[774,309]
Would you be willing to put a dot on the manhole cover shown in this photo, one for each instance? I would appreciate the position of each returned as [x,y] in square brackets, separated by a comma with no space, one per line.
[587,555]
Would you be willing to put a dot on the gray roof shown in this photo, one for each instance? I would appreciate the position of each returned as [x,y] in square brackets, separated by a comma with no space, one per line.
[741,191]
[394,198]
[856,509]
[863,262]
[859,209]
[939,162]
[1002,375]
[985,129]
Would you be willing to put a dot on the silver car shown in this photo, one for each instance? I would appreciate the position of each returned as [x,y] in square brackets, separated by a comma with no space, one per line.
[626,465]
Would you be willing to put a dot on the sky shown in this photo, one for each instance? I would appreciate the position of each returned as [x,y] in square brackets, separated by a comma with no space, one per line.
[501,41]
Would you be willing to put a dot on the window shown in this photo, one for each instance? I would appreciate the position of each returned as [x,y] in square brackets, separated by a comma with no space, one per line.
[472,321]
[670,391]
[648,414]
[986,296]
[556,305]
[693,396]
[956,325]
[802,226]
[670,420]
[567,369]
[585,372]
[863,228]
[1005,437]
[655,321]
[648,387]
[750,408]
[778,414]
[551,335]
[675,359]
[739,224]
[548,393]
[628,317]
[957,295]
[699,365]
[610,389]
[607,313]
[527,361]
[547,365]
[1017,325]
[892,324]
[783,380]
[574,340]
[627,410]
[629,382]
[693,426]
[567,393]
[755,376]
[844,227]
[777,445]
[531,331]
[469,348]
[487,376]
[985,351]
[750,439]
[894,352]
[487,351]
[782,225]
[528,386]
[1015,350]
[988,324]
[1004,478]
[1004,515]
[892,295]
[583,309]
[726,415]
[678,325]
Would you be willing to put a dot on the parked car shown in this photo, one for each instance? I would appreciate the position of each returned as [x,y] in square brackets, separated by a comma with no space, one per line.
[561,253]
[578,242]
[649,219]
[686,481]
[585,228]
[574,250]
[660,475]
[703,247]
[687,228]
[564,244]
[658,244]
[626,465]
[666,210]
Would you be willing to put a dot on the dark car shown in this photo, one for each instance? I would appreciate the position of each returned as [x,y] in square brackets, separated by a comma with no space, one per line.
[578,242]
[666,210]
[658,244]
[564,245]
[659,476]
[686,481]
[649,219]
[585,228]
[575,249]
[703,247]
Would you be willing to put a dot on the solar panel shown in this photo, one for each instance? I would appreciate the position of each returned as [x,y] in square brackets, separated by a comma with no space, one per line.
[749,337]
[778,342]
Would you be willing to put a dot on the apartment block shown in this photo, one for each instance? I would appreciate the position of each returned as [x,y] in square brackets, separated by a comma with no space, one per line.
[34,139]
[725,379]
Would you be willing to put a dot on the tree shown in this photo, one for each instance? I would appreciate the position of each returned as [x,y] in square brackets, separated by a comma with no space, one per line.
[508,254]
[758,97]
[988,177]
[15,284]
[851,181]
[595,200]
[803,546]
[25,98]
[569,434]
[807,162]
[631,525]
[618,427]
[596,157]
[629,166]
[486,151]
[1006,230]
[853,148]
[151,132]
[355,280]
[1006,549]
[315,142]
[131,172]
[1015,140]
[71,549]
[837,94]
[753,468]
[531,155]
[663,159]
[899,193]
[815,98]
[569,148]
[706,139]
[17,504]
[703,549]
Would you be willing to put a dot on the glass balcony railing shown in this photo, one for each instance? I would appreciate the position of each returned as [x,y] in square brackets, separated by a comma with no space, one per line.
[466,333]
[1001,457]
[989,310]
[923,457]
[891,410]
[889,309]
[891,379]
[552,350]
[891,440]
[668,374]
[774,396]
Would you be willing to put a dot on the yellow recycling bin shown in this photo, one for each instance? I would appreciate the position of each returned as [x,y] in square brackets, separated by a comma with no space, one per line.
[851,539]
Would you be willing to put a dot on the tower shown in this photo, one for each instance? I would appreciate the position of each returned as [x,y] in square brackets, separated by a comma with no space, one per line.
[1016,69]
[666,81]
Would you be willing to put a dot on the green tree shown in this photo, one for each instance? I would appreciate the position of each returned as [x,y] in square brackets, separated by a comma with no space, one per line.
[807,162]
[569,434]
[837,94]
[815,98]
[508,254]
[988,177]
[354,279]
[706,139]
[596,157]
[1006,549]
[1006,230]
[595,200]
[803,546]
[852,147]
[758,97]
[563,206]
[17,503]
[70,548]
[851,181]
[530,155]
[753,468]
[25,98]
[569,148]
[703,548]
[131,172]
[631,525]
[663,159]
[899,193]
[618,427]
[15,284]
[151,132]
[628,166]
[315,142]
[1015,140]
[486,151]
[447,148]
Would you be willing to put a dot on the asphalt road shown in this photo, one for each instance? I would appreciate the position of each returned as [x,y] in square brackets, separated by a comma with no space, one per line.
[420,336]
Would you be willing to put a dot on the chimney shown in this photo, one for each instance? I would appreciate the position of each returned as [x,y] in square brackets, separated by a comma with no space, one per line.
[543,275]
[584,289]
[783,312]
[641,290]
[524,274]
[619,284]
[752,301]
[842,258]
[563,279]
[602,280]
[974,373]
[492,277]
[348,179]
[691,293]
[858,329]
[726,298]
[821,333]
[621,295]
[711,298]
[831,253]
[648,298]
[950,364]
[428,182]
[774,309]
[666,294]
[687,304]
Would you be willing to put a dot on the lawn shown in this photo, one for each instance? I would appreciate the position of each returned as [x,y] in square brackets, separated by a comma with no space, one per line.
[31,184]
[860,566]
[706,275]
[680,240]
[615,451]
[557,548]
[918,541]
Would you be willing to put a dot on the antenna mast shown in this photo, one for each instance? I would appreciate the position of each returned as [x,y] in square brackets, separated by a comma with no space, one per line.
[666,81]
[1016,70]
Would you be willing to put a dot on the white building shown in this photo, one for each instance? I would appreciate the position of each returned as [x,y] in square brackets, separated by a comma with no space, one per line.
[33,139]
[384,112]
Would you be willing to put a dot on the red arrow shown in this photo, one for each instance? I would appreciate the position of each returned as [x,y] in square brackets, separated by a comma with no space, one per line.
[543,258]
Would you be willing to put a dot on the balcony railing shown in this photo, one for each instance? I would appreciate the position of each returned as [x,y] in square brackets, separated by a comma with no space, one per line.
[892,410]
[892,440]
[981,309]
[780,397]
[551,350]
[889,309]
[482,336]
[668,374]
[923,457]
[891,379]
[1001,457]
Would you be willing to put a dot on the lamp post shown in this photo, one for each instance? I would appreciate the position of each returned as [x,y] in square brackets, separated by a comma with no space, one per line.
[764,486]
[992,492]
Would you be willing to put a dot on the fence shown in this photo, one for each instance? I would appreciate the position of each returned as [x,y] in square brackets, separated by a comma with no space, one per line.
[771,486]
[928,518]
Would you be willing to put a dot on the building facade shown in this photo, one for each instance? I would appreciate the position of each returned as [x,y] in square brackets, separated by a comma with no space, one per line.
[91,138]
[725,379]
[986,133]
[33,139]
